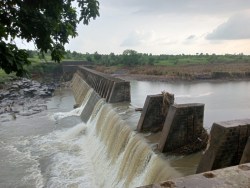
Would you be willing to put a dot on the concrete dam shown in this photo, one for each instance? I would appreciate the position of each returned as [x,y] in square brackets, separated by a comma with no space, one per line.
[122,157]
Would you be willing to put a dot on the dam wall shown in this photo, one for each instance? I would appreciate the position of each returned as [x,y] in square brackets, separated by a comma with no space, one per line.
[246,153]
[120,157]
[154,112]
[231,177]
[113,90]
[152,118]
[102,86]
[183,125]
[228,144]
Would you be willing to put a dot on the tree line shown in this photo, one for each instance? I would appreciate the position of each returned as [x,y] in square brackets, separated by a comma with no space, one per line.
[131,57]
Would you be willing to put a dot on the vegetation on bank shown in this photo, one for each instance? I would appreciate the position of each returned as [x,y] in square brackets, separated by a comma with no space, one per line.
[6,77]
[134,58]
[185,67]
[39,67]
[171,67]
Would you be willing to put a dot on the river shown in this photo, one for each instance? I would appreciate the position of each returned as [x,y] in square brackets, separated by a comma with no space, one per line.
[46,150]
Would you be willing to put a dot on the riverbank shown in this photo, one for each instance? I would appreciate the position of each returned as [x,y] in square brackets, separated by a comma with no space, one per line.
[196,72]
[24,97]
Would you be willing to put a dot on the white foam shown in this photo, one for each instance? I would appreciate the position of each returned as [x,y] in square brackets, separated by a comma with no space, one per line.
[74,112]
[29,163]
[79,157]
[61,115]
[68,163]
[73,132]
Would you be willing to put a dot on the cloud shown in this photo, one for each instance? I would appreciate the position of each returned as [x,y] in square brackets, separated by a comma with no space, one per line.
[181,6]
[190,37]
[136,38]
[237,27]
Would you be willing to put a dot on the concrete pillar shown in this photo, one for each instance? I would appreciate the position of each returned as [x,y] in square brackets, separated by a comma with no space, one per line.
[227,143]
[87,111]
[183,126]
[152,118]
[120,92]
[246,153]
[154,112]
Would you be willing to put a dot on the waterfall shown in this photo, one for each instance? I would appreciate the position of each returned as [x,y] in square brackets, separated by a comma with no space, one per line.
[77,86]
[120,157]
[115,155]
[76,111]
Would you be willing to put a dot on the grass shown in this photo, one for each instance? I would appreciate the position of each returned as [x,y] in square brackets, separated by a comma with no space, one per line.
[187,71]
[201,59]
[6,77]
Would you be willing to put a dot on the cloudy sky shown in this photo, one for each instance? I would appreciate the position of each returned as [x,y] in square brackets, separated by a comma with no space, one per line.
[167,27]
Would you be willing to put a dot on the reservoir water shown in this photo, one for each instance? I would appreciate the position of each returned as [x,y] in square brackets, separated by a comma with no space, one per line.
[56,149]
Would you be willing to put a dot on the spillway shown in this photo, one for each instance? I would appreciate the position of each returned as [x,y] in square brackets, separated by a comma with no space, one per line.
[119,157]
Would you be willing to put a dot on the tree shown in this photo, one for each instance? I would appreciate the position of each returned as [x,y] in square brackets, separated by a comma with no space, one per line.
[130,57]
[49,24]
[97,57]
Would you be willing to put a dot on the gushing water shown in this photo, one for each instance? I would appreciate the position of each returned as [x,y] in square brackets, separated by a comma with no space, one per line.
[76,111]
[104,152]
[116,156]
[127,159]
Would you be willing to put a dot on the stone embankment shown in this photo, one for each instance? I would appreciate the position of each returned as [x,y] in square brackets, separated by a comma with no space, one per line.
[24,97]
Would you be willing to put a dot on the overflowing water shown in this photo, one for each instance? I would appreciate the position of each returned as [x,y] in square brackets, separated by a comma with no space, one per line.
[76,111]
[104,152]
[56,149]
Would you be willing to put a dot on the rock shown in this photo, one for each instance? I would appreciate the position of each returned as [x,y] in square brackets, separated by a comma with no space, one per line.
[45,94]
[24,94]
[13,95]
[21,103]
[138,109]
[28,113]
[43,106]
[15,87]
[76,105]
[6,94]
[38,108]
[29,92]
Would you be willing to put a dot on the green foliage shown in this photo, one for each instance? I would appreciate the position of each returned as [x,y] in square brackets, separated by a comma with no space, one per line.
[49,24]
[43,68]
[13,59]
[131,57]
[6,77]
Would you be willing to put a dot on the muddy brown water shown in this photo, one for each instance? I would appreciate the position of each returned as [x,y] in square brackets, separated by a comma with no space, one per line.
[39,151]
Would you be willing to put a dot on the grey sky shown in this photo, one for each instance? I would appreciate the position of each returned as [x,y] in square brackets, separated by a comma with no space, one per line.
[237,27]
[167,26]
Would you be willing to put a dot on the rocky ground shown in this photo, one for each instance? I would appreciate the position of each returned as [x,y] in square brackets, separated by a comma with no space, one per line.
[24,97]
